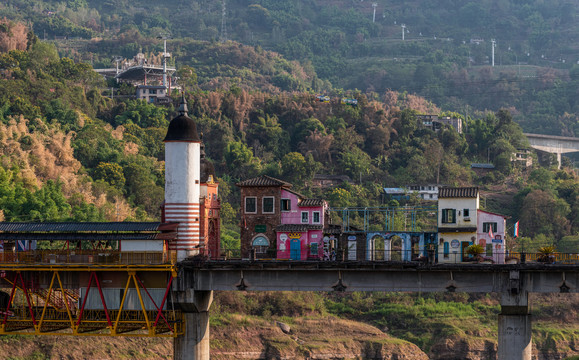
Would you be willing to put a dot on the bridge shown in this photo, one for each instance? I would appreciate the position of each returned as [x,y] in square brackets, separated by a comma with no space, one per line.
[554,144]
[197,280]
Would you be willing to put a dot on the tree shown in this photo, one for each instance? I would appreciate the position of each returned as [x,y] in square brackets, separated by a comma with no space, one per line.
[240,161]
[294,168]
[355,162]
[110,173]
[543,213]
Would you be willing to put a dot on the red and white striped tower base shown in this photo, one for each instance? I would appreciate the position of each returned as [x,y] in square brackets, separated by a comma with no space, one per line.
[182,188]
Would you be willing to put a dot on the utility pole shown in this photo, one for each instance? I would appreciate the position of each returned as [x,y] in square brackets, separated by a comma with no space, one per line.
[166,55]
[403,29]
[494,43]
[374,5]
[223,22]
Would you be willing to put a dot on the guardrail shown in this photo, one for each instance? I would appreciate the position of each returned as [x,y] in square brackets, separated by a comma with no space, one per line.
[414,255]
[87,257]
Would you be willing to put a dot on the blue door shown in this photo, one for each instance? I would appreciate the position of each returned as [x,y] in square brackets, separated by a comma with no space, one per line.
[295,249]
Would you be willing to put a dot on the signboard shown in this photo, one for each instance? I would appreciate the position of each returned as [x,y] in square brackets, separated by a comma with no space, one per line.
[314,249]
[351,237]
[260,241]
[454,243]
[260,228]
[497,241]
[282,245]
[351,249]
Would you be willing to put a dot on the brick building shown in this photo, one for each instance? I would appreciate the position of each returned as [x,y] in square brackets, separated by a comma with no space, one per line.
[277,222]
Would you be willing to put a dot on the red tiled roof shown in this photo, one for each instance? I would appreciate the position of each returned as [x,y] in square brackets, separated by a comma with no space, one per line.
[462,192]
[311,203]
[263,180]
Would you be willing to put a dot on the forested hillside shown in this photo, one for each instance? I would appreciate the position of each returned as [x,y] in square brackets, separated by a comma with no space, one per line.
[340,44]
[70,151]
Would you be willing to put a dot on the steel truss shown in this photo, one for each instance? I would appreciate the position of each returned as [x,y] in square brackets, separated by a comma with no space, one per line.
[367,219]
[54,310]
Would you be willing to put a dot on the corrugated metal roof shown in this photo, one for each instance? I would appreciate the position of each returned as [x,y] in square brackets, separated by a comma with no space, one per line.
[76,227]
[264,180]
[462,192]
[482,166]
[311,203]
[75,237]
[298,227]
[395,190]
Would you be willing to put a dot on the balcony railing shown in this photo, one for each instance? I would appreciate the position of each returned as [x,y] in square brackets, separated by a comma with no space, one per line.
[39,257]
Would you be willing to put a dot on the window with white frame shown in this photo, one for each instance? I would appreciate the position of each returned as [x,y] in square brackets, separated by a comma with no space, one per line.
[250,205]
[267,205]
[305,217]
[316,217]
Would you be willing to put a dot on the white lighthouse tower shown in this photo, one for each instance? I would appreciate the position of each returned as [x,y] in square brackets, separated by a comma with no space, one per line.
[182,177]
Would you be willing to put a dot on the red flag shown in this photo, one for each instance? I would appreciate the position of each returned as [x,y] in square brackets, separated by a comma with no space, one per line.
[491,235]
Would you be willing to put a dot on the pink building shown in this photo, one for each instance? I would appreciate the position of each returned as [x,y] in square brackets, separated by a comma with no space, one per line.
[491,234]
[277,222]
[300,234]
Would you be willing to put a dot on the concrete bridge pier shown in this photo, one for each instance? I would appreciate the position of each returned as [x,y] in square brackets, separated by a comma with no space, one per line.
[515,327]
[194,344]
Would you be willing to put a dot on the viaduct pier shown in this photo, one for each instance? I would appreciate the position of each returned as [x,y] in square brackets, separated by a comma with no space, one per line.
[194,287]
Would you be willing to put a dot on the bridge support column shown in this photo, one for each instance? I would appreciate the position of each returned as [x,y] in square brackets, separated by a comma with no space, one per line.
[515,327]
[194,344]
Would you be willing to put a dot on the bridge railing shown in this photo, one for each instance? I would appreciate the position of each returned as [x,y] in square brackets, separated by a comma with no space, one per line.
[423,255]
[87,257]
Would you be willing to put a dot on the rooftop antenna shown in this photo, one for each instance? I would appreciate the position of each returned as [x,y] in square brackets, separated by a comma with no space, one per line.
[374,5]
[166,55]
[494,43]
[223,23]
[403,28]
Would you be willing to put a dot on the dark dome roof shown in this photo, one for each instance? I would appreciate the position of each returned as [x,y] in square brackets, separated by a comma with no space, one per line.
[182,128]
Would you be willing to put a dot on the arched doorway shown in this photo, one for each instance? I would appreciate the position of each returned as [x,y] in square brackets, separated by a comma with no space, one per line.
[260,243]
[377,248]
[396,248]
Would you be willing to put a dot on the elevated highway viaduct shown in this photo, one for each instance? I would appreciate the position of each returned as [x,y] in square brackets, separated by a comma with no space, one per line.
[554,144]
[196,282]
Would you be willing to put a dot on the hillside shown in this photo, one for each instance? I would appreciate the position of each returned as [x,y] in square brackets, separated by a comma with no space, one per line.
[71,153]
[335,326]
[339,44]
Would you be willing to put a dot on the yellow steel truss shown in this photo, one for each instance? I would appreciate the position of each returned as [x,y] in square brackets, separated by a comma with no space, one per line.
[46,317]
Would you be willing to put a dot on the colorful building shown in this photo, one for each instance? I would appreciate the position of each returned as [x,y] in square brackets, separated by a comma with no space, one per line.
[491,235]
[457,222]
[277,222]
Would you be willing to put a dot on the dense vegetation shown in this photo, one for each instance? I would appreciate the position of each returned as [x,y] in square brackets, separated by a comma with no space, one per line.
[70,152]
[107,154]
[339,45]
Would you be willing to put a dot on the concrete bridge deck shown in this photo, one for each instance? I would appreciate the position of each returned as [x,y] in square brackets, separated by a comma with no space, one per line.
[197,279]
[553,144]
